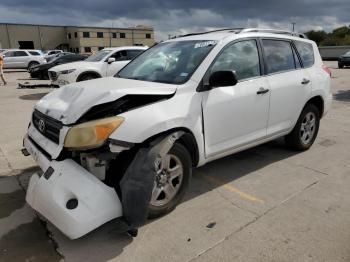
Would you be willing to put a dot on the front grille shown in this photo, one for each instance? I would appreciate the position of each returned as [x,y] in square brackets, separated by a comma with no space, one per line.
[47,126]
[53,75]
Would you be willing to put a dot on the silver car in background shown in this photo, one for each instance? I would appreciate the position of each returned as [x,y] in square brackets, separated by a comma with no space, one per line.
[18,58]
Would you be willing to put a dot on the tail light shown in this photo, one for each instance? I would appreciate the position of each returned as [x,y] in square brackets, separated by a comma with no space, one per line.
[327,70]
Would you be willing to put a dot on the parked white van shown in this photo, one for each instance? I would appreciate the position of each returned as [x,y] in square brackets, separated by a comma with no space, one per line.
[106,62]
[125,146]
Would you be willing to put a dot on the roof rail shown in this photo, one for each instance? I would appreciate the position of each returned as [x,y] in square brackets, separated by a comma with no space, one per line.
[233,30]
[274,31]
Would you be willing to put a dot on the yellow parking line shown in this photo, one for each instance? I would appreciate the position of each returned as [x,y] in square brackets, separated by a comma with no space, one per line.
[232,189]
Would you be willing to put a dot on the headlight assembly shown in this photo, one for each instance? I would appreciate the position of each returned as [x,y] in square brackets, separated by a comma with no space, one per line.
[91,134]
[66,72]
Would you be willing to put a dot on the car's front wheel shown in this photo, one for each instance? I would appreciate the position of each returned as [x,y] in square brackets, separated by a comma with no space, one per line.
[172,180]
[306,129]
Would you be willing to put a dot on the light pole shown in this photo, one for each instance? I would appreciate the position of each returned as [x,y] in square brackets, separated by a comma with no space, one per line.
[293,25]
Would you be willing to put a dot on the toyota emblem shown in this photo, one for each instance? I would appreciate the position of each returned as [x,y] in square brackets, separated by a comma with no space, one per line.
[41,126]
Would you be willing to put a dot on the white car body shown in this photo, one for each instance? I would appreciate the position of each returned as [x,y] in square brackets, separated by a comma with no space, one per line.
[51,53]
[19,58]
[221,121]
[99,69]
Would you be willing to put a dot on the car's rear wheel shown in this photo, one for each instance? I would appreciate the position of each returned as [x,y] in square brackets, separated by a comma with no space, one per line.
[340,66]
[172,180]
[32,64]
[306,129]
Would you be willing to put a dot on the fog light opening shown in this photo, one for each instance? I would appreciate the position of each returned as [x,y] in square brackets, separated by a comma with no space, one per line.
[72,203]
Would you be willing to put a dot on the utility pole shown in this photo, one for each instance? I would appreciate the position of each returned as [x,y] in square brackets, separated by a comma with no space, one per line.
[293,25]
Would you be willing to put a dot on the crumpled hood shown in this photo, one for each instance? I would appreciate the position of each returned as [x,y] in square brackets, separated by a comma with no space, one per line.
[70,102]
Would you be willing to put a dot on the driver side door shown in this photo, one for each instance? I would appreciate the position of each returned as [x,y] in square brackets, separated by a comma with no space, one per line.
[235,116]
[121,59]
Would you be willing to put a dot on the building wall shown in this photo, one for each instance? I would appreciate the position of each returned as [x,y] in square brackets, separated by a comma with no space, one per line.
[53,37]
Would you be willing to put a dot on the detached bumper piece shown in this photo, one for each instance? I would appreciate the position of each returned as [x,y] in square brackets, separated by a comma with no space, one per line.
[70,197]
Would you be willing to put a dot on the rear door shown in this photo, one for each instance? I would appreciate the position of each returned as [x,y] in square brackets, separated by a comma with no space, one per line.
[290,84]
[21,59]
[235,116]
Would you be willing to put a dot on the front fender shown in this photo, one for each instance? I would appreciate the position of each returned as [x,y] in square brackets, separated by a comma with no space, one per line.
[183,111]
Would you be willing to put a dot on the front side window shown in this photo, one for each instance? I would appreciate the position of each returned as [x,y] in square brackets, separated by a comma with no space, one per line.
[99,56]
[120,55]
[278,56]
[170,62]
[241,57]
[306,53]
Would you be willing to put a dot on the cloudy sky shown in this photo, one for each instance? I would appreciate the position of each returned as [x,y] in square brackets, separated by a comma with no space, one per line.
[180,16]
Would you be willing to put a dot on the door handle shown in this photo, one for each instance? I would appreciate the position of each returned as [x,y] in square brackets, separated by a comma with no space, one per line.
[305,81]
[262,91]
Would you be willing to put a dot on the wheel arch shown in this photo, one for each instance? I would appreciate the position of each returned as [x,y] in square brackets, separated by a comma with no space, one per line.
[188,140]
[90,72]
[318,102]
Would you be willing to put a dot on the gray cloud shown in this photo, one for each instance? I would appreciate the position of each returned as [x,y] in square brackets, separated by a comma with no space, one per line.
[181,16]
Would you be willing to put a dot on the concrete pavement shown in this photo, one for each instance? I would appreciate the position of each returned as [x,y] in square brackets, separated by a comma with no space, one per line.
[263,204]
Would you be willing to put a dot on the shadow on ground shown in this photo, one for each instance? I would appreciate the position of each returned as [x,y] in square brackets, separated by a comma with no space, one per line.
[36,96]
[342,95]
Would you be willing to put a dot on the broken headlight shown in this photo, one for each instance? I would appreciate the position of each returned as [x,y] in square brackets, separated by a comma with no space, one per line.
[91,134]
[66,72]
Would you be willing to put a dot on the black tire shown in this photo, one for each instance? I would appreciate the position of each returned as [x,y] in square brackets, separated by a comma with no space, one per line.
[183,155]
[31,64]
[87,77]
[340,66]
[44,76]
[294,139]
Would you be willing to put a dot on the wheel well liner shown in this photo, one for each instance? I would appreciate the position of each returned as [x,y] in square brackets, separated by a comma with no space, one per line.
[187,140]
[318,102]
[88,73]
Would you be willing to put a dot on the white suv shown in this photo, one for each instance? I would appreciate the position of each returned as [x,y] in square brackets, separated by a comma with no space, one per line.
[106,62]
[125,146]
[18,58]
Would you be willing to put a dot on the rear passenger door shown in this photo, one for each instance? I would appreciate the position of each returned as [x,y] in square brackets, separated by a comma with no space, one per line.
[21,59]
[290,84]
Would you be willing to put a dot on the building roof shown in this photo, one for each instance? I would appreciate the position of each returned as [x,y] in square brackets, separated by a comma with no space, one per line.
[138,27]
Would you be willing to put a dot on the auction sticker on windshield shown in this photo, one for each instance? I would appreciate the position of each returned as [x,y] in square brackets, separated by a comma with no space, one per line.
[205,44]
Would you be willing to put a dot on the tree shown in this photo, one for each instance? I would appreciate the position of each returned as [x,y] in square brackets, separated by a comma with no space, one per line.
[317,36]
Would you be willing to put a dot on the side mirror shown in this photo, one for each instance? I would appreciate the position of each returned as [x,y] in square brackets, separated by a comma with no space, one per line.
[111,60]
[222,78]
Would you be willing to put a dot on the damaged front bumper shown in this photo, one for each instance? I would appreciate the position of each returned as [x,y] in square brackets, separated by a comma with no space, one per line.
[69,196]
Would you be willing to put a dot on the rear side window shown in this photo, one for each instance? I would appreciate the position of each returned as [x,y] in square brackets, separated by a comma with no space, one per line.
[34,53]
[241,57]
[306,53]
[278,56]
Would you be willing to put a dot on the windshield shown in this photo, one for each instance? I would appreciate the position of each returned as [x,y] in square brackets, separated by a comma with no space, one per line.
[99,56]
[347,53]
[170,62]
